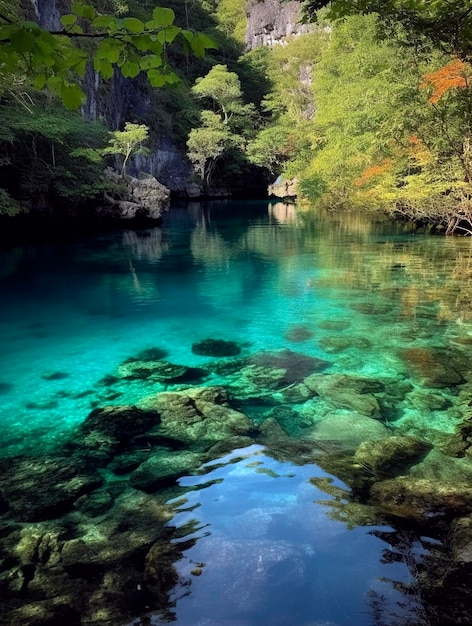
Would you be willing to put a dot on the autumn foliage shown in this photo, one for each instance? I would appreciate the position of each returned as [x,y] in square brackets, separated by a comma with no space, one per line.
[373,171]
[451,76]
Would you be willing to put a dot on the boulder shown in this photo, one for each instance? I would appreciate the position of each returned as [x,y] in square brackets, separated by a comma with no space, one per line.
[163,468]
[426,501]
[432,367]
[33,489]
[132,198]
[216,348]
[199,417]
[348,392]
[390,456]
[346,429]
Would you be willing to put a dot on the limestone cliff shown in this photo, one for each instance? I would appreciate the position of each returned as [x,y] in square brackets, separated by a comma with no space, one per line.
[270,21]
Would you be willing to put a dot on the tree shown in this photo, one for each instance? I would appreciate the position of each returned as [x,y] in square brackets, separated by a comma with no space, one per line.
[127,142]
[447,23]
[224,89]
[53,60]
[208,143]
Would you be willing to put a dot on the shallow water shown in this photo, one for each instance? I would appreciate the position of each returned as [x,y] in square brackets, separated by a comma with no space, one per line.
[354,292]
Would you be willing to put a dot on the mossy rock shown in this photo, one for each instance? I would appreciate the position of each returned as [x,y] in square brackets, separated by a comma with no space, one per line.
[216,348]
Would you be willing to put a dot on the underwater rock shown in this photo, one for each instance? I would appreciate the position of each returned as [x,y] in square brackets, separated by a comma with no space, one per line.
[346,429]
[298,334]
[199,416]
[155,371]
[427,401]
[337,325]
[160,575]
[222,448]
[461,542]
[46,487]
[429,502]
[390,456]
[339,344]
[163,468]
[108,430]
[123,535]
[371,308]
[149,354]
[256,381]
[5,388]
[297,366]
[432,367]
[54,375]
[348,392]
[216,348]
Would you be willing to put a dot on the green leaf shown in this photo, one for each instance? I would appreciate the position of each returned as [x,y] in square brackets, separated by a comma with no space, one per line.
[163,17]
[72,96]
[40,81]
[22,40]
[80,67]
[150,61]
[130,69]
[77,30]
[143,43]
[83,10]
[105,21]
[171,33]
[68,20]
[133,25]
[156,78]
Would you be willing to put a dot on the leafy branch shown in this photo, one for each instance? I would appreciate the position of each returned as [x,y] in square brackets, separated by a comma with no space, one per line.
[128,45]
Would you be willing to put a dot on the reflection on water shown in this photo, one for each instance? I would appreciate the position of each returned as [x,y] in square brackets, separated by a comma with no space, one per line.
[309,467]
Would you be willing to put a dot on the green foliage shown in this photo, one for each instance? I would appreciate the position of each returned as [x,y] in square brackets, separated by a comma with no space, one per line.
[445,23]
[8,206]
[43,151]
[52,60]
[127,142]
[208,143]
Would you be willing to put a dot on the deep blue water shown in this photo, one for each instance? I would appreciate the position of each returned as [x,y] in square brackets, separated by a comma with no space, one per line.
[268,278]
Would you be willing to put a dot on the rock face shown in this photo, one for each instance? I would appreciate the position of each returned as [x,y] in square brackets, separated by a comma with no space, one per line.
[142,198]
[283,188]
[269,22]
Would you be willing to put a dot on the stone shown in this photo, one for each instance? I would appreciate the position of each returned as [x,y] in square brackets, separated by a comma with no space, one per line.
[198,417]
[297,366]
[149,354]
[336,325]
[143,198]
[157,371]
[163,468]
[390,456]
[216,348]
[430,502]
[348,392]
[340,343]
[346,429]
[461,542]
[298,334]
[46,487]
[432,367]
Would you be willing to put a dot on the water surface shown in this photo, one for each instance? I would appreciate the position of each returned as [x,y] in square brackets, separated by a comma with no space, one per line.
[261,543]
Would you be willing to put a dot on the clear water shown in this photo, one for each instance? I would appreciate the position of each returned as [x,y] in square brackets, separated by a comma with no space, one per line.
[269,278]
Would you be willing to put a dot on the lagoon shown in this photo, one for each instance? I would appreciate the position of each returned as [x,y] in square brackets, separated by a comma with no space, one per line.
[249,487]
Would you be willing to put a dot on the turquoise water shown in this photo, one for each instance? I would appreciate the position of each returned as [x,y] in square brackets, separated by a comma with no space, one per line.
[367,298]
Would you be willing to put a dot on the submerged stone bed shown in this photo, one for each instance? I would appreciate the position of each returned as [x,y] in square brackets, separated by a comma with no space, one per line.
[84,536]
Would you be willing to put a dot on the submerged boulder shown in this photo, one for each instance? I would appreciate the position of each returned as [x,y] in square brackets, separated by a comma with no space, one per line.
[157,371]
[430,502]
[390,456]
[297,366]
[46,487]
[346,429]
[216,348]
[348,392]
[199,416]
[433,367]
